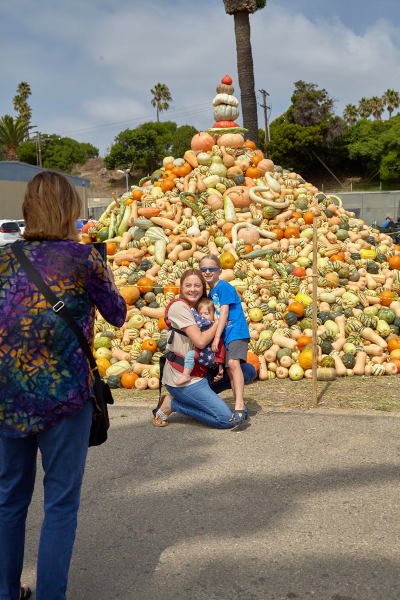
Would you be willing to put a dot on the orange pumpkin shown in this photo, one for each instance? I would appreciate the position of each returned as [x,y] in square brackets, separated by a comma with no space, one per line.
[128,380]
[227,260]
[111,248]
[186,169]
[171,288]
[137,194]
[161,324]
[175,171]
[396,361]
[256,159]
[167,185]
[228,235]
[278,232]
[394,344]
[125,263]
[128,201]
[253,172]
[291,232]
[298,308]
[333,279]
[252,359]
[248,248]
[145,285]
[336,257]
[169,166]
[305,359]
[260,153]
[150,344]
[303,340]
[130,293]
[297,216]
[394,262]
[250,144]
[308,217]
[386,297]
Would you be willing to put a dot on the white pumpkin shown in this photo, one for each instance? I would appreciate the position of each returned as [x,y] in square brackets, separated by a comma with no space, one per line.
[225,112]
[225,99]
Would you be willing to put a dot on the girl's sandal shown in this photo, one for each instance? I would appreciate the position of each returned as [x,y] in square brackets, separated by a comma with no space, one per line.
[239,416]
[25,593]
[158,420]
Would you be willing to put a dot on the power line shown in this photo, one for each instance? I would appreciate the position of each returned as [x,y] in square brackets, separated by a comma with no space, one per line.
[130,120]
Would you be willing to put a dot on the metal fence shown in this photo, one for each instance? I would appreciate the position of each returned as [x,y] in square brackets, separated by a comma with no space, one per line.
[96,206]
[372,206]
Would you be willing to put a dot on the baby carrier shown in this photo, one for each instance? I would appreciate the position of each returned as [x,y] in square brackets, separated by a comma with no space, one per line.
[204,358]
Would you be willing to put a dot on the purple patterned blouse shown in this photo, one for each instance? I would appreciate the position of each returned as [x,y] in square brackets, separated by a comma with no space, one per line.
[44,374]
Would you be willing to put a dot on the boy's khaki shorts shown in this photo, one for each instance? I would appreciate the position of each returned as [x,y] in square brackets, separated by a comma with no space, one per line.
[237,349]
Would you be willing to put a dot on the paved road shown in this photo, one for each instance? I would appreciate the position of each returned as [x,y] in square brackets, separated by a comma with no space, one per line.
[295,505]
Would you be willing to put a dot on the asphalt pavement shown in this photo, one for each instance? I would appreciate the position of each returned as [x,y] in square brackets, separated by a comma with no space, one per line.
[297,504]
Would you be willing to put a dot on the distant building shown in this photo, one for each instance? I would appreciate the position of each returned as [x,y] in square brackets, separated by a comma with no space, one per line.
[14,176]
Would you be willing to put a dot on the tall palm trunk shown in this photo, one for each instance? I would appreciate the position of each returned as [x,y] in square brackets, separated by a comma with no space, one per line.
[12,154]
[246,74]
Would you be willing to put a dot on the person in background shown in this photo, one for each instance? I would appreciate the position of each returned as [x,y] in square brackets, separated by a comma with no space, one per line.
[46,387]
[386,222]
[79,225]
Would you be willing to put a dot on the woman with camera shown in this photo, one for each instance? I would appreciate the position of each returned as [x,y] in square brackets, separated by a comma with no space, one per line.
[46,386]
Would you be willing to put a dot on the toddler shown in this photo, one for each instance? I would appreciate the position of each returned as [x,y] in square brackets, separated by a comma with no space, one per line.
[205,308]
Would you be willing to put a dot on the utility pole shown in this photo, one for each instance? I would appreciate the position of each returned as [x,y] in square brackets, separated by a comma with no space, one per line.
[39,149]
[266,108]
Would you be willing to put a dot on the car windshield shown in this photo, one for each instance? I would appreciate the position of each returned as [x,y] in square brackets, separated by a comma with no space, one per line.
[9,227]
[21,223]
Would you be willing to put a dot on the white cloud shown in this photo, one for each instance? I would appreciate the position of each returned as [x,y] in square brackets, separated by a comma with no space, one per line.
[92,63]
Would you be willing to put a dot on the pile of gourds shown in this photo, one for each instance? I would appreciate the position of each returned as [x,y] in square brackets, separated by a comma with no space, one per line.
[224,198]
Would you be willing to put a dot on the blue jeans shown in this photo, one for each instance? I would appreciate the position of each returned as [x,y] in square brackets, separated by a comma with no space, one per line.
[63,449]
[201,401]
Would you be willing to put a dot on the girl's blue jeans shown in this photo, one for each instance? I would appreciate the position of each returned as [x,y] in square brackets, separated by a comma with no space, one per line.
[63,448]
[201,401]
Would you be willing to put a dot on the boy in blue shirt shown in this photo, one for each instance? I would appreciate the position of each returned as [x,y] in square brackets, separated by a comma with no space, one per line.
[232,327]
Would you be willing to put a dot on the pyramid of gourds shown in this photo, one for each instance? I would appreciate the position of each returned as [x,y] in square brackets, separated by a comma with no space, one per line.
[223,197]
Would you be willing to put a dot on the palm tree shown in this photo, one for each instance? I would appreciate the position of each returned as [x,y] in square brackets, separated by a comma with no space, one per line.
[392,101]
[12,134]
[241,9]
[377,107]
[364,108]
[161,98]
[350,114]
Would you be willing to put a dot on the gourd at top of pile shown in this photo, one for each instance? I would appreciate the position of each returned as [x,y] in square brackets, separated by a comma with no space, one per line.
[226,109]
[224,198]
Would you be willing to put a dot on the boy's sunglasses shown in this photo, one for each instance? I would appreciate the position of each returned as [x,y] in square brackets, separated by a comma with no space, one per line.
[211,269]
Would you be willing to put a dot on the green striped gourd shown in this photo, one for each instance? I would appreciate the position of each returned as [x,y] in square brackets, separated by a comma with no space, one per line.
[378,370]
[328,361]
[156,357]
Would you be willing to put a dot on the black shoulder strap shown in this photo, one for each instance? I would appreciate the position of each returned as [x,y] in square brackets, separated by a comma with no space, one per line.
[57,305]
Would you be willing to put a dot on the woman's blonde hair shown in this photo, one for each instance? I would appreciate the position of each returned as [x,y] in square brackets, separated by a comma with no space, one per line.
[51,208]
[187,274]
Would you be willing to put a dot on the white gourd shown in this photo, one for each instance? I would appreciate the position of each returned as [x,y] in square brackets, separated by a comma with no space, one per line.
[225,99]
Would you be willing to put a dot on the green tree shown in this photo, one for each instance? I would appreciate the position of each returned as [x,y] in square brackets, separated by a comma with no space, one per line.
[377,107]
[21,105]
[12,134]
[181,140]
[142,148]
[375,146]
[58,153]
[364,108]
[350,114]
[161,98]
[310,105]
[391,100]
[241,9]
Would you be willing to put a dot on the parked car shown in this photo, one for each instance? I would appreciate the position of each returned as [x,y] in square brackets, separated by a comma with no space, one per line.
[9,232]
[21,225]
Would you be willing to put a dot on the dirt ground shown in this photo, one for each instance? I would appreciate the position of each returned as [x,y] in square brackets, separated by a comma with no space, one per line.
[367,393]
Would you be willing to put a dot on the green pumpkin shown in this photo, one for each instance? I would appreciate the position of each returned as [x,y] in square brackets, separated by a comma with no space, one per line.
[140,303]
[114,382]
[133,278]
[154,305]
[145,265]
[186,245]
[355,256]
[394,329]
[387,314]
[268,212]
[372,268]
[150,297]
[348,360]
[345,226]
[370,240]
[343,281]
[333,314]
[348,313]
[324,316]
[290,318]
[306,324]
[162,344]
[326,347]
[329,214]
[239,180]
[342,234]
[144,357]
[301,203]
[158,289]
[308,347]
[354,276]
[240,275]
[283,352]
[343,272]
[380,258]
[328,361]
[156,176]
[396,322]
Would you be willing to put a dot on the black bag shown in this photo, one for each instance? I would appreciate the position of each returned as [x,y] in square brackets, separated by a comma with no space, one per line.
[102,392]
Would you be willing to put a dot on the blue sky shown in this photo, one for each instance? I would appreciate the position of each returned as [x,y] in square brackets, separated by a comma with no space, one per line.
[91,63]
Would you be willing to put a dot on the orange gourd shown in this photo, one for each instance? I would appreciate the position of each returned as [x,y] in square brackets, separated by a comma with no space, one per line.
[256,159]
[161,324]
[137,194]
[250,144]
[252,359]
[297,307]
[167,185]
[394,262]
[227,260]
[253,172]
[291,232]
[149,211]
[248,248]
[278,232]
[308,217]
[111,248]
[396,361]
[305,359]
[296,216]
[336,257]
[303,341]
[386,297]
[150,344]
[130,293]
[145,285]
[169,166]
[171,288]
[394,344]
[128,380]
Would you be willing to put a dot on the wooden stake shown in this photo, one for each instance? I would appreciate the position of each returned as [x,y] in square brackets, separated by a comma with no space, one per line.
[314,316]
